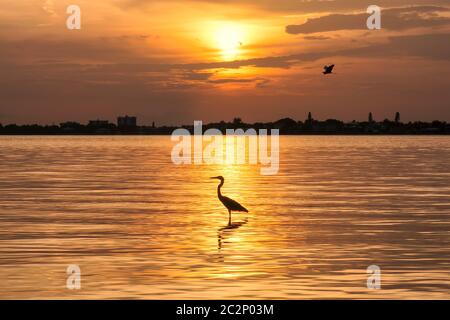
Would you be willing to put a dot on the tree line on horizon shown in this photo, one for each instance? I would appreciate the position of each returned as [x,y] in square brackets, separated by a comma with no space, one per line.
[286,126]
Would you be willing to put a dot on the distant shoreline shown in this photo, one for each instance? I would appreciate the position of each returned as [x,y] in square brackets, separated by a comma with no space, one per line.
[168,135]
[286,126]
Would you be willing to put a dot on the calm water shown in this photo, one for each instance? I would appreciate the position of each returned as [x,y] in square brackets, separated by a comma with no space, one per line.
[140,227]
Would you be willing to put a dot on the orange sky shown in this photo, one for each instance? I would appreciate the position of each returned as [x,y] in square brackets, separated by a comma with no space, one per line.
[175,61]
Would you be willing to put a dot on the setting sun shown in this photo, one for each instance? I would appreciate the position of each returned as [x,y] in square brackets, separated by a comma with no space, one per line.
[229,39]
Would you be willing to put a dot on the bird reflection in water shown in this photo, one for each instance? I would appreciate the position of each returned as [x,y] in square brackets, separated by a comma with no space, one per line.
[225,232]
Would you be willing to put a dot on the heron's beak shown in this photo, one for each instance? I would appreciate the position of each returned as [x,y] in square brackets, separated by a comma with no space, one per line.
[214,178]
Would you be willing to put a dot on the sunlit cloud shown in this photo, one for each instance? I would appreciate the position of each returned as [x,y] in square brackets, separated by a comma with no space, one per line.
[49,7]
[393,19]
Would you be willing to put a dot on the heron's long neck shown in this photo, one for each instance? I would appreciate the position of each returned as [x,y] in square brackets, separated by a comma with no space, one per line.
[219,194]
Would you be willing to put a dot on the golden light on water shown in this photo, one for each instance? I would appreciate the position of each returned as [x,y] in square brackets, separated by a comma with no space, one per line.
[141,227]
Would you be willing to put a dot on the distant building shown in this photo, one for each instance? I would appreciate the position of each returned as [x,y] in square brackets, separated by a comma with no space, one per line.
[98,123]
[309,121]
[370,117]
[127,122]
[397,117]
[237,121]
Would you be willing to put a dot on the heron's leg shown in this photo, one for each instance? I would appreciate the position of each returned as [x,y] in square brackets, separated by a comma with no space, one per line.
[229,217]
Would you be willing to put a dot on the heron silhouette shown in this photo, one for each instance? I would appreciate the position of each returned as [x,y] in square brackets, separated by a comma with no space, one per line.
[328,69]
[230,204]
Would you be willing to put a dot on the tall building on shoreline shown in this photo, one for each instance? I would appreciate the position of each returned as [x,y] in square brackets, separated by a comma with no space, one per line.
[126,122]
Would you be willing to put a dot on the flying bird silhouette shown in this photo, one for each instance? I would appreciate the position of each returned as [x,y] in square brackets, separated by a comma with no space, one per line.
[328,69]
[230,204]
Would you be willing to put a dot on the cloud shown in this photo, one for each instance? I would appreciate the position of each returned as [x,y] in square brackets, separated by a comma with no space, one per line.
[81,78]
[427,46]
[316,38]
[228,80]
[197,76]
[392,19]
[434,46]
[298,6]
[49,7]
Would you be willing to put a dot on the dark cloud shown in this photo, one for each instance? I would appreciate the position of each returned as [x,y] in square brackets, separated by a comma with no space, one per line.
[314,38]
[428,46]
[197,76]
[106,49]
[392,19]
